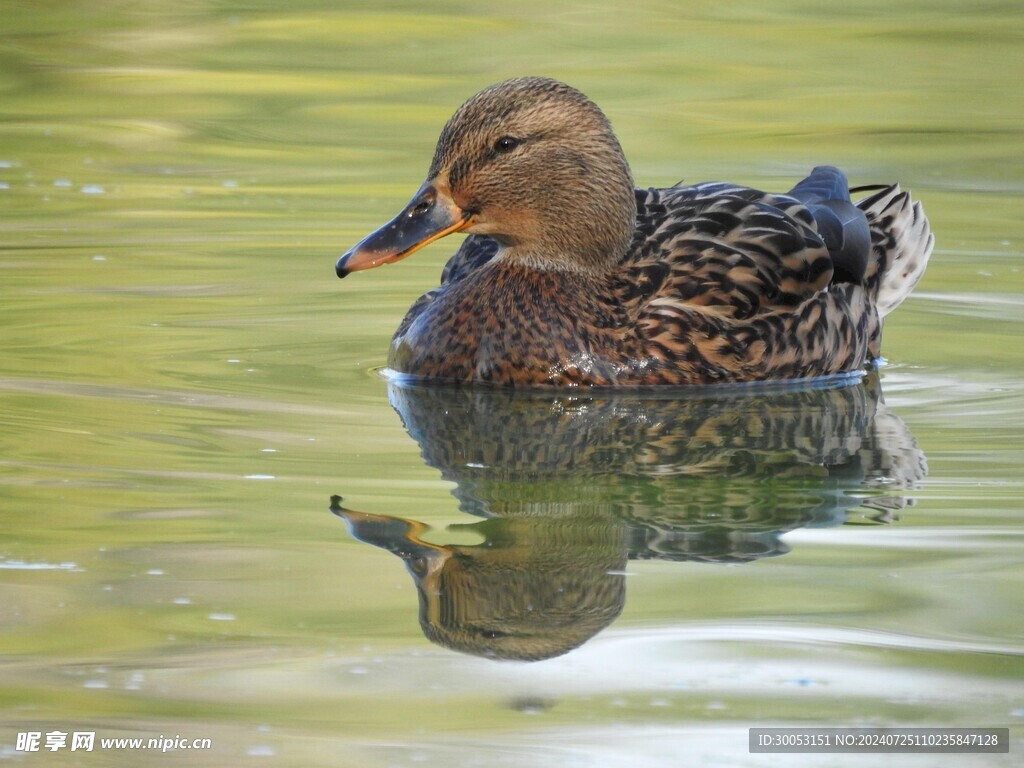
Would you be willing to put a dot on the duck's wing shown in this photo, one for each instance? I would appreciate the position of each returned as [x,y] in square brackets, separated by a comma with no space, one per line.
[475,251]
[723,249]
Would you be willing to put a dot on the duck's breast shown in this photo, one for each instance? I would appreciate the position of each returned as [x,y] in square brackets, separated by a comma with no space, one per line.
[506,324]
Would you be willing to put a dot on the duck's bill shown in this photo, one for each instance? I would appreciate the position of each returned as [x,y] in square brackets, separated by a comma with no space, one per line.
[397,535]
[429,216]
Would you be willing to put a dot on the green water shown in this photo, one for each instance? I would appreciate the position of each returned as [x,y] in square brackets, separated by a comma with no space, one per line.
[184,385]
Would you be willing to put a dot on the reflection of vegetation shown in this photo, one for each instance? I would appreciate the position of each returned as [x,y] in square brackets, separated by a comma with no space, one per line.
[574,485]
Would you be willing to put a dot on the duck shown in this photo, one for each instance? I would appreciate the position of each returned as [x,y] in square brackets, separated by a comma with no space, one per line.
[571,276]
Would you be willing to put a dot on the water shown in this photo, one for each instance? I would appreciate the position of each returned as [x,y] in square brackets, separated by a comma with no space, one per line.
[185,386]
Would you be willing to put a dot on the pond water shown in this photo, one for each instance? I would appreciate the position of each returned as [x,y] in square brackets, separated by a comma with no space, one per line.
[220,521]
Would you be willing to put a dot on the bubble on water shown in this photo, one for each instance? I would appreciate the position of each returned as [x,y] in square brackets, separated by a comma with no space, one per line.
[531,705]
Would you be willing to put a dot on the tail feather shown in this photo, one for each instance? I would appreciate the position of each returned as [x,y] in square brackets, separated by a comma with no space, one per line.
[901,242]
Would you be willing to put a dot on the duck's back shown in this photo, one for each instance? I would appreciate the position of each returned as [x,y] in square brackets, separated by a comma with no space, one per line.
[729,250]
[751,252]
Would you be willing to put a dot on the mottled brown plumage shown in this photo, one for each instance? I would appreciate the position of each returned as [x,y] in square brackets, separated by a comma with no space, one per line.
[573,277]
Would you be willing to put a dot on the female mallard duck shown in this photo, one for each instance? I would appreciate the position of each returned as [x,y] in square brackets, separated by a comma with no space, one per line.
[572,277]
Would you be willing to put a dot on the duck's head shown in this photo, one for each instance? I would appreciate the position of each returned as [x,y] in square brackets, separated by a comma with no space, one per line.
[534,164]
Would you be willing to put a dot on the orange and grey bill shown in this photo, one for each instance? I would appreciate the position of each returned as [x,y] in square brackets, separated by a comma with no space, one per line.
[429,216]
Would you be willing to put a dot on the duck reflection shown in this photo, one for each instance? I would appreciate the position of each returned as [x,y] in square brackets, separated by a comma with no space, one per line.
[572,486]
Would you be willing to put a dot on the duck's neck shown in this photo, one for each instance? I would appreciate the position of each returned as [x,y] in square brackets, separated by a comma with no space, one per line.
[574,263]
[590,240]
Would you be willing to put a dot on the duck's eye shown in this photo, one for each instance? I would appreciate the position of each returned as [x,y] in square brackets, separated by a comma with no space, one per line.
[506,144]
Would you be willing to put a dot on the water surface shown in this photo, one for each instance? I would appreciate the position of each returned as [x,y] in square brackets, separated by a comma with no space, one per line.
[185,386]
